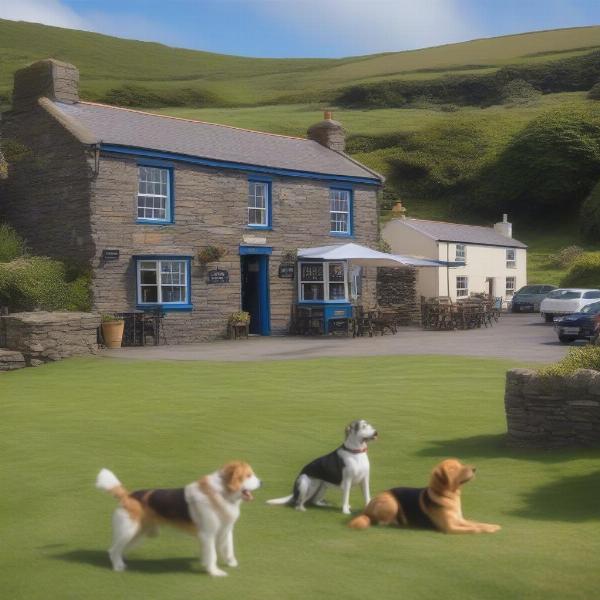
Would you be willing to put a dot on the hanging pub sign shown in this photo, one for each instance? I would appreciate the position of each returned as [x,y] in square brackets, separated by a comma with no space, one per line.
[286,271]
[218,276]
[109,254]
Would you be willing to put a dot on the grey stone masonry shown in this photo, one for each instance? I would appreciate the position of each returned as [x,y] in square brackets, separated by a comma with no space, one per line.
[47,336]
[552,412]
[46,78]
[11,360]
[328,133]
[397,288]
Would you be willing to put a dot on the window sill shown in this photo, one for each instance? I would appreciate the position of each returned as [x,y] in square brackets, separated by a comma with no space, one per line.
[338,234]
[259,227]
[323,301]
[153,222]
[165,307]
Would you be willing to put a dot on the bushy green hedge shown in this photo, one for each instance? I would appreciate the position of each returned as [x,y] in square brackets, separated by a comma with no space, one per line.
[140,96]
[578,73]
[584,272]
[11,244]
[38,282]
[589,220]
[586,357]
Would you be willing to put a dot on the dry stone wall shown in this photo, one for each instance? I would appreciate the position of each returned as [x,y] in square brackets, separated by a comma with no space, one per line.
[47,336]
[543,412]
[397,287]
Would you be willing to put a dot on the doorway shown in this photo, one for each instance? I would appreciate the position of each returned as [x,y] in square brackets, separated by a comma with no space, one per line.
[255,292]
[490,286]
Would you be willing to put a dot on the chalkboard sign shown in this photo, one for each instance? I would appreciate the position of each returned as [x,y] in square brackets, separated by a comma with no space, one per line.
[286,271]
[110,254]
[218,276]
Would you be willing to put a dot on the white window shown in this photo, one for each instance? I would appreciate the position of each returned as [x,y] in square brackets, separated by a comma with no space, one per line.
[461,253]
[511,259]
[323,281]
[339,211]
[162,281]
[510,286]
[462,287]
[258,204]
[154,193]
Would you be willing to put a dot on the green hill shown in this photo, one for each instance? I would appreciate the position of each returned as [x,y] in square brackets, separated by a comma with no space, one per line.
[107,63]
[462,131]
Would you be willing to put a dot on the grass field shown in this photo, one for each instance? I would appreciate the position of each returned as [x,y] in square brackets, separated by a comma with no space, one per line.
[166,423]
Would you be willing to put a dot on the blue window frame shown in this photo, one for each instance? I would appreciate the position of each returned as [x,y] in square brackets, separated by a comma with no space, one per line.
[163,281]
[259,203]
[156,193]
[340,211]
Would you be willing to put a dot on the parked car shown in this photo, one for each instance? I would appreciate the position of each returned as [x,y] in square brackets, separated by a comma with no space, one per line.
[566,301]
[529,298]
[578,326]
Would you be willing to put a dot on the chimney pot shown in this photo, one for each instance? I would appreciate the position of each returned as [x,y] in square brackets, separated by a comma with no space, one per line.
[328,115]
[48,78]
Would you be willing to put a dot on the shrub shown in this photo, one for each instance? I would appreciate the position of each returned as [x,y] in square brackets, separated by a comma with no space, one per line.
[11,244]
[589,215]
[566,256]
[594,93]
[586,357]
[40,283]
[584,272]
[140,96]
[519,91]
[210,254]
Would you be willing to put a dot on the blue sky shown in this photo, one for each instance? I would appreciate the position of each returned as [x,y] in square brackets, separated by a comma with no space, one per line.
[309,28]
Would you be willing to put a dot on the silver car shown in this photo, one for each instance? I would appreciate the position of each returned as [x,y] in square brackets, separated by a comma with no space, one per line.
[529,298]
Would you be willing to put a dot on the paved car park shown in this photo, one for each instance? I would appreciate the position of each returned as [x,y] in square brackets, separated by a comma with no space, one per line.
[520,337]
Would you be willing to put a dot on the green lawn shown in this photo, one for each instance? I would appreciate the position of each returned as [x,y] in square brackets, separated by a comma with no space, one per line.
[166,423]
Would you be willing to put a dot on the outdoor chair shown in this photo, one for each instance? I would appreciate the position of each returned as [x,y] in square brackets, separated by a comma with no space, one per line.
[363,322]
[385,320]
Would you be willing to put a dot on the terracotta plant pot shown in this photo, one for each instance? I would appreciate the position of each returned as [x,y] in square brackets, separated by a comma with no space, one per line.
[112,332]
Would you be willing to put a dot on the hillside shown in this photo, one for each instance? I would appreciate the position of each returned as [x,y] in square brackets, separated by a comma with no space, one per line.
[108,63]
[463,131]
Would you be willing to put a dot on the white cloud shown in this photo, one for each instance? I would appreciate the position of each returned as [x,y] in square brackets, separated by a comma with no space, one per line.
[373,25]
[48,12]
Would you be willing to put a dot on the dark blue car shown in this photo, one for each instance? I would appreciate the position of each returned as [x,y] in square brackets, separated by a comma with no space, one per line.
[578,326]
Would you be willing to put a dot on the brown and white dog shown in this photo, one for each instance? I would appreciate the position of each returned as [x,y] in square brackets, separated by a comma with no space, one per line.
[435,507]
[207,508]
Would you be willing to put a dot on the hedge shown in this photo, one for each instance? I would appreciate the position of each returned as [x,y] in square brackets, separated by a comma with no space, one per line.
[40,283]
[586,357]
[11,244]
[589,215]
[584,272]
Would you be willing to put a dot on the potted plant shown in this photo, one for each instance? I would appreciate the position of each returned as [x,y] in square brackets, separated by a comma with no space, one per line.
[239,324]
[112,331]
[210,254]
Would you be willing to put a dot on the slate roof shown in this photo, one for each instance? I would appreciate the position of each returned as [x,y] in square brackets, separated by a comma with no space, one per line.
[464,234]
[126,127]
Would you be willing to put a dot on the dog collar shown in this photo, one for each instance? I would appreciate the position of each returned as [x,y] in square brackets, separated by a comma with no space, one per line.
[353,450]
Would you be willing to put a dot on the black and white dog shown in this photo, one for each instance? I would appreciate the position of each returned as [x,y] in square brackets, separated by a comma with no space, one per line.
[346,466]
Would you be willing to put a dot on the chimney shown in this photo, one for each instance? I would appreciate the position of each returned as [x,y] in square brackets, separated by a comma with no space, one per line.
[328,133]
[48,78]
[504,227]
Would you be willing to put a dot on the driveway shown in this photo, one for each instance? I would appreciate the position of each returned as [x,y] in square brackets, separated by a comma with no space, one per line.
[523,338]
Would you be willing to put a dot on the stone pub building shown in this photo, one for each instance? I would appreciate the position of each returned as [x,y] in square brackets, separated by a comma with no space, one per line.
[140,198]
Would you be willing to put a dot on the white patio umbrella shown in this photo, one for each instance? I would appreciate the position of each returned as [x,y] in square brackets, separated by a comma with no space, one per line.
[363,256]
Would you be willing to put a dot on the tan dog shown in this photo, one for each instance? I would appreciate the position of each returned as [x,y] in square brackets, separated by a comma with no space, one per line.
[208,509]
[435,507]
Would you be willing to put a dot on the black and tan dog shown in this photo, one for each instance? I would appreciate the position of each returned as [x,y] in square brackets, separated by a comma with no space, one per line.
[435,507]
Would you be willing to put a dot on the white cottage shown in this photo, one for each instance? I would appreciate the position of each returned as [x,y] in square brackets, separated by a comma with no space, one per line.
[493,262]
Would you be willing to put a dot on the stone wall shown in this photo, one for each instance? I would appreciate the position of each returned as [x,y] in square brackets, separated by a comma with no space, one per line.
[47,336]
[46,196]
[397,287]
[211,209]
[552,412]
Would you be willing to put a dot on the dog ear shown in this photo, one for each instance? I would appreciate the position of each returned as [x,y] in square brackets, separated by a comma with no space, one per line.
[440,479]
[233,476]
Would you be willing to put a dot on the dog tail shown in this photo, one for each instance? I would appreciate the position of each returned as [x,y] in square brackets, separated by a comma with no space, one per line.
[361,522]
[107,481]
[284,500]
